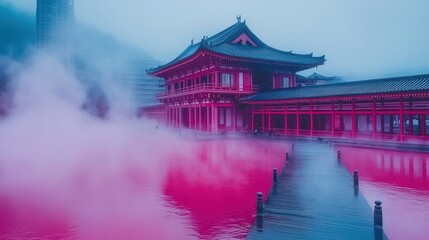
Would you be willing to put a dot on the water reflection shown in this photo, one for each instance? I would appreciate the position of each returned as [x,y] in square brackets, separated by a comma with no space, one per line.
[219,187]
[400,180]
[206,190]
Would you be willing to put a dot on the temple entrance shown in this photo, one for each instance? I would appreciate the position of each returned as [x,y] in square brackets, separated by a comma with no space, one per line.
[262,79]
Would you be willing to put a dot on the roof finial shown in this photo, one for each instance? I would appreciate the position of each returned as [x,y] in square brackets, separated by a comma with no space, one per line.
[239,18]
[192,41]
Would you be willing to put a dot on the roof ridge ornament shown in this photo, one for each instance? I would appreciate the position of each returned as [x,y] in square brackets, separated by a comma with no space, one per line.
[239,18]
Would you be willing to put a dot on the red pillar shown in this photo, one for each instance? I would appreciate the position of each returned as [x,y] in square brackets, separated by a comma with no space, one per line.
[195,118]
[374,120]
[410,124]
[189,117]
[216,119]
[391,123]
[286,119]
[311,119]
[176,118]
[208,129]
[423,124]
[353,119]
[297,118]
[234,118]
[333,118]
[200,127]
[269,118]
[263,118]
[180,117]
[213,118]
[401,119]
[168,116]
[252,120]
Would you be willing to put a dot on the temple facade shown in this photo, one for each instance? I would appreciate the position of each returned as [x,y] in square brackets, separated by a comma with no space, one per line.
[205,82]
[233,81]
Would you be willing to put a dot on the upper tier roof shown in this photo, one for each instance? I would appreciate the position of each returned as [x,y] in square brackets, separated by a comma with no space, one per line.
[239,41]
[367,87]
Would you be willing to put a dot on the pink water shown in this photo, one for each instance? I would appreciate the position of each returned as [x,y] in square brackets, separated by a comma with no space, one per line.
[400,180]
[208,192]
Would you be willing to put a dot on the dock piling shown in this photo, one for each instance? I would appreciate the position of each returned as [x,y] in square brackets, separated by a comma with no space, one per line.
[339,155]
[356,179]
[275,177]
[259,211]
[287,156]
[378,215]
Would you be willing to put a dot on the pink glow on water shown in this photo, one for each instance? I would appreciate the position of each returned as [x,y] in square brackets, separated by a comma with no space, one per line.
[219,187]
[400,181]
[206,193]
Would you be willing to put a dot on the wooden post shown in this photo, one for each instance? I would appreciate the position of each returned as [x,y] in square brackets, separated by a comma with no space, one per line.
[333,118]
[194,126]
[378,215]
[311,119]
[252,120]
[275,177]
[200,127]
[286,122]
[356,179]
[353,119]
[259,211]
[263,118]
[215,118]
[401,119]
[189,116]
[179,115]
[297,118]
[208,119]
[234,118]
[374,120]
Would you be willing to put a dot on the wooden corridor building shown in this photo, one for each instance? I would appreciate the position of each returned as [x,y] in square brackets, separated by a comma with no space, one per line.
[233,81]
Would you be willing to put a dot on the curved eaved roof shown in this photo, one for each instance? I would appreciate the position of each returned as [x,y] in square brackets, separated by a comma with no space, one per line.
[415,83]
[228,43]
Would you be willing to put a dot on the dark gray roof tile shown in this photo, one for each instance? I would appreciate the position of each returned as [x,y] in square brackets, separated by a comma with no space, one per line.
[374,86]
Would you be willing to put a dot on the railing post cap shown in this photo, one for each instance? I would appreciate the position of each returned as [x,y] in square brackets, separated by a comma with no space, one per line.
[259,194]
[275,170]
[356,172]
[378,203]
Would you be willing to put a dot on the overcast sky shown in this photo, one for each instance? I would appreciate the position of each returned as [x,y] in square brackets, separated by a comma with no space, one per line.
[361,39]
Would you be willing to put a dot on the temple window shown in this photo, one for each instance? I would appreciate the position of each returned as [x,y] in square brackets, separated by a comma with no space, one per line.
[285,82]
[227,79]
[204,79]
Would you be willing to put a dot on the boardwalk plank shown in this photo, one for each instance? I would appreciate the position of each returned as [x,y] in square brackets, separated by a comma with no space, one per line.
[315,199]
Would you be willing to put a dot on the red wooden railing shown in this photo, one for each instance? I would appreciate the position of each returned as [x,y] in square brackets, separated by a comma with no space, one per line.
[210,87]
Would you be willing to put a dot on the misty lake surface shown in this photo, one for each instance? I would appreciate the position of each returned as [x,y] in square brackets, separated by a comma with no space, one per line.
[200,190]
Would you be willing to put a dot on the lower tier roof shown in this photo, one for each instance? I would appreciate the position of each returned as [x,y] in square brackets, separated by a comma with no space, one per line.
[367,87]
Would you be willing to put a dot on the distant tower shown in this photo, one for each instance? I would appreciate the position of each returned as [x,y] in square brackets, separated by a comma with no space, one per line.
[54,27]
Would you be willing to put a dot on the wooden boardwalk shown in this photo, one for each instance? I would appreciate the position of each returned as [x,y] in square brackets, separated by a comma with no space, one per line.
[315,199]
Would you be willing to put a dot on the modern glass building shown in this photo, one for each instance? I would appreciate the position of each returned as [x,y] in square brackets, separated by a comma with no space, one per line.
[141,87]
[54,27]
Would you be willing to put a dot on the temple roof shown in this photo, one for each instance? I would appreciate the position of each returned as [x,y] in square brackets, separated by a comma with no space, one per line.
[366,87]
[316,76]
[239,41]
